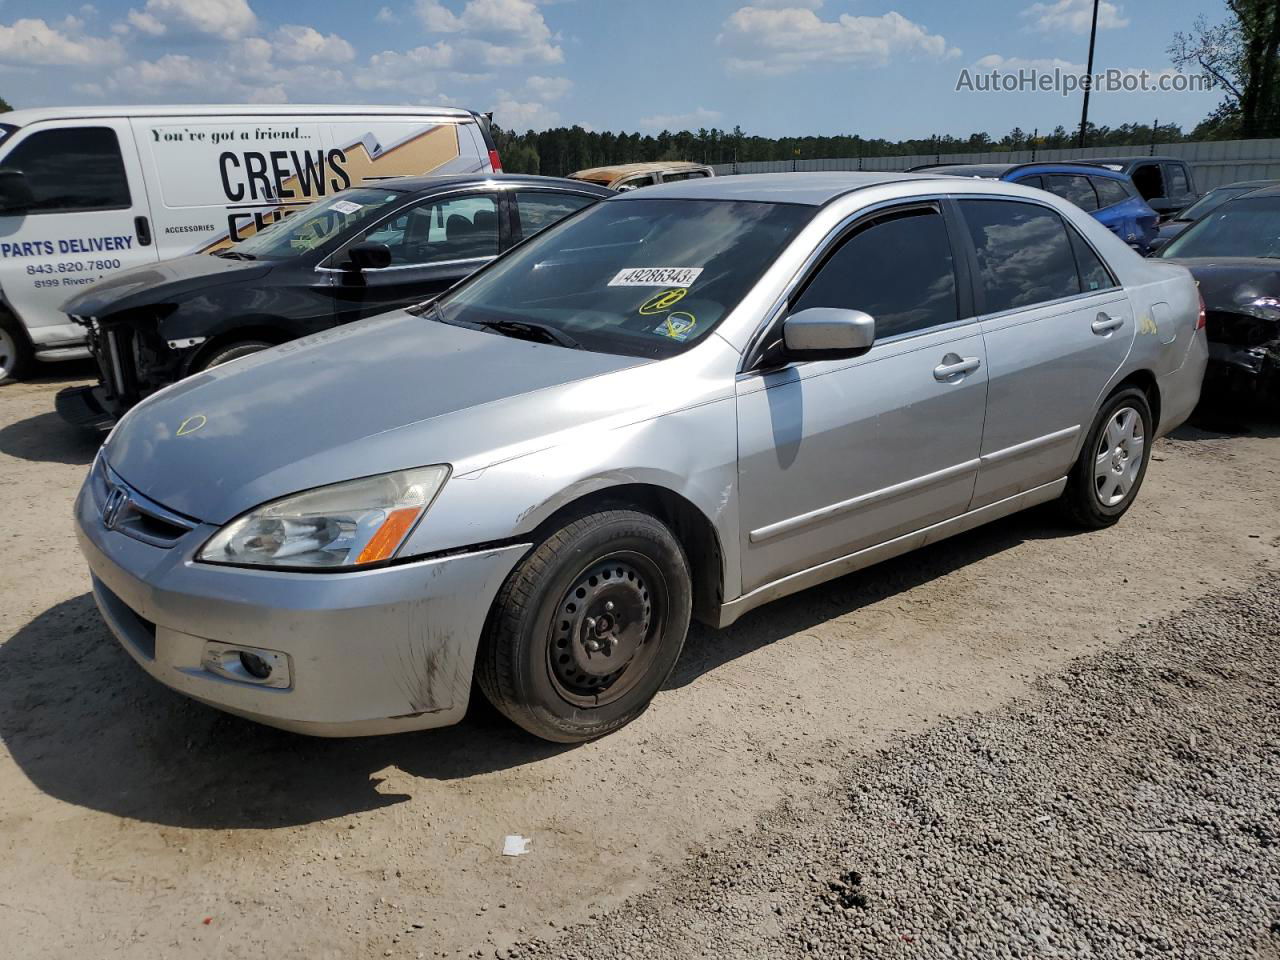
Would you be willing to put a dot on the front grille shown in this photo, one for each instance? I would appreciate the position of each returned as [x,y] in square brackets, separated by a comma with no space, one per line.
[134,514]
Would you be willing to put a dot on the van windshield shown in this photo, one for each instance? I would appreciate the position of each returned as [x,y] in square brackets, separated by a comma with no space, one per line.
[314,226]
[639,277]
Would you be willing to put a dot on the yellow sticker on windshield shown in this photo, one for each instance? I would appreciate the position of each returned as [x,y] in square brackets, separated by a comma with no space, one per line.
[662,302]
[677,326]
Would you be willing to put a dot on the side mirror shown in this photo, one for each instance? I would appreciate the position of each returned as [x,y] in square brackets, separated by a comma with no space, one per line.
[370,256]
[828,333]
[15,192]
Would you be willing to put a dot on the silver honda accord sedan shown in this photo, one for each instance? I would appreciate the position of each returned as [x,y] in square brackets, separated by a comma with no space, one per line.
[682,402]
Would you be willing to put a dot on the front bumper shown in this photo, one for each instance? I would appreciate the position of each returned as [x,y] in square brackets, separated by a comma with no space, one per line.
[369,652]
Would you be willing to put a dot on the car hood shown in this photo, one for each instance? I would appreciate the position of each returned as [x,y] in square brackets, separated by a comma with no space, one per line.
[162,282]
[387,393]
[1245,285]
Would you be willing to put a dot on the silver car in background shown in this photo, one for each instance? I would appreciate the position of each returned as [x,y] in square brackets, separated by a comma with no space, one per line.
[682,402]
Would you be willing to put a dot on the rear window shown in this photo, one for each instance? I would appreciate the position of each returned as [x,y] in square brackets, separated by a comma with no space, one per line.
[639,277]
[1074,188]
[1109,191]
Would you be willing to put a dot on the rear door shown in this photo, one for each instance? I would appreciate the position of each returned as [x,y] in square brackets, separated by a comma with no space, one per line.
[89,219]
[1057,327]
[434,243]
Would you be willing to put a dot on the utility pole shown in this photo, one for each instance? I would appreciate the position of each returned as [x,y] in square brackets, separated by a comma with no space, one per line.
[1088,84]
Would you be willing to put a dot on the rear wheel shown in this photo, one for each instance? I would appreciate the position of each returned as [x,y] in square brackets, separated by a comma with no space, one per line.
[232,351]
[16,355]
[588,627]
[1113,463]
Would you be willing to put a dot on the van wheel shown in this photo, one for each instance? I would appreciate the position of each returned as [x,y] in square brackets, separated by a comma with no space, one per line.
[1113,463]
[233,351]
[587,627]
[16,355]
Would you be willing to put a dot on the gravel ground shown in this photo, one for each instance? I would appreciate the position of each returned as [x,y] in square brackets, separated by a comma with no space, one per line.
[1129,807]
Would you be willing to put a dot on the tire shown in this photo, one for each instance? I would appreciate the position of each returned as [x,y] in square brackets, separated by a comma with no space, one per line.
[232,351]
[16,355]
[1113,462]
[616,579]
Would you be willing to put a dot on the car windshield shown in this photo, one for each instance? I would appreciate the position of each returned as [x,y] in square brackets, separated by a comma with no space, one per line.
[639,277]
[1211,201]
[1248,227]
[315,225]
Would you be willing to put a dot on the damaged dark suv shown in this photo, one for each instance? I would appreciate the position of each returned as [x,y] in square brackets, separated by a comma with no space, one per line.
[1234,254]
[364,251]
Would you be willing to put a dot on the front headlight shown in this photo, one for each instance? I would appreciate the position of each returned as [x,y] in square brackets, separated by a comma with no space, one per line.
[352,524]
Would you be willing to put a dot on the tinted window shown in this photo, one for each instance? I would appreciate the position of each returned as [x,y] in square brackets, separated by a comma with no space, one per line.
[1109,191]
[540,209]
[1247,227]
[314,226]
[636,276]
[1212,201]
[1148,180]
[72,169]
[461,228]
[1033,181]
[1094,274]
[897,268]
[1076,189]
[1177,180]
[690,175]
[1024,257]
[635,182]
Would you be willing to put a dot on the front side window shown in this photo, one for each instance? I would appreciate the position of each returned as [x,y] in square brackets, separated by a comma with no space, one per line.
[72,169]
[317,225]
[440,231]
[898,268]
[539,209]
[639,277]
[1212,201]
[1024,255]
[686,175]
[1248,227]
[1109,191]
[1076,189]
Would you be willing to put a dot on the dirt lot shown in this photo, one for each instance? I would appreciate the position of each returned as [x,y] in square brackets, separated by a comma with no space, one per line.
[136,824]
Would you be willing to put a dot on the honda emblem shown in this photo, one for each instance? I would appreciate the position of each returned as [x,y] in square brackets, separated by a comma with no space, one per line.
[117,500]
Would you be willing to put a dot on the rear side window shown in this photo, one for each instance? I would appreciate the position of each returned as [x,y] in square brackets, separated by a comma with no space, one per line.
[72,169]
[1024,254]
[540,209]
[1034,180]
[1109,191]
[1076,189]
[1094,274]
[898,268]
[1178,180]
[688,175]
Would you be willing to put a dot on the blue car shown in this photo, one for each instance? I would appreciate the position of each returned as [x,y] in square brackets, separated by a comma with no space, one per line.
[1107,194]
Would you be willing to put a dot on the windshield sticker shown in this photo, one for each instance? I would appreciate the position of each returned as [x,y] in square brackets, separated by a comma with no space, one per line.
[656,277]
[662,302]
[677,326]
[345,206]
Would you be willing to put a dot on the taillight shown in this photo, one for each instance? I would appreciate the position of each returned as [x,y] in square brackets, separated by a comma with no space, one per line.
[1200,320]
[495,161]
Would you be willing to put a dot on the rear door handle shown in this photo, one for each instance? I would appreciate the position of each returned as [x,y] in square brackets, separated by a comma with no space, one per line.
[954,367]
[1105,324]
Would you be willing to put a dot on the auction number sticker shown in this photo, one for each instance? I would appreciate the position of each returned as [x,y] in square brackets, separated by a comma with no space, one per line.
[656,277]
[345,207]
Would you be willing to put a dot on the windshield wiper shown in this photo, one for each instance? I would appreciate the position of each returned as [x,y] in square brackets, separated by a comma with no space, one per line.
[234,255]
[527,330]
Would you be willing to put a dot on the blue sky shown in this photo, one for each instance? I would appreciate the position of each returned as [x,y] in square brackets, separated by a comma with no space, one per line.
[776,67]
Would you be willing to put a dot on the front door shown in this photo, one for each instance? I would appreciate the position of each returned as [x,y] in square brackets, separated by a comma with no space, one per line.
[433,244]
[1057,328]
[838,455]
[88,219]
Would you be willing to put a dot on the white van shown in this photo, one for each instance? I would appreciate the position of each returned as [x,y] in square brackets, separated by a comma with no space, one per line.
[87,192]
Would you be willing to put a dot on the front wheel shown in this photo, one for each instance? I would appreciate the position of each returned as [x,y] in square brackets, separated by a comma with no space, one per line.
[1113,463]
[15,352]
[587,627]
[232,351]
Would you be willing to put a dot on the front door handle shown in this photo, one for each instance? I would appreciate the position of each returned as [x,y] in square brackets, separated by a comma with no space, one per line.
[954,367]
[142,227]
[1105,324]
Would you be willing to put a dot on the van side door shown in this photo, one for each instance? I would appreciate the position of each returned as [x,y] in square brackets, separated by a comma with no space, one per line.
[1057,327]
[87,218]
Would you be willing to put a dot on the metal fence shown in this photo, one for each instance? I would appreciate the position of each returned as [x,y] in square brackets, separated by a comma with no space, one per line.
[1212,162]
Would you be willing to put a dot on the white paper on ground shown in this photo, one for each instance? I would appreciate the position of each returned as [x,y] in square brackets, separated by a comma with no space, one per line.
[514,845]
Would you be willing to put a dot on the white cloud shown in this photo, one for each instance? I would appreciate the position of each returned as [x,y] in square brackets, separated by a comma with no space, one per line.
[229,19]
[498,33]
[547,88]
[33,41]
[301,44]
[410,70]
[145,23]
[386,15]
[994,61]
[88,89]
[1074,16]
[512,114]
[775,40]
[698,117]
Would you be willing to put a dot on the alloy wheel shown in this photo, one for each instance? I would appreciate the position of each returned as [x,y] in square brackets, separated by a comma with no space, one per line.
[1118,459]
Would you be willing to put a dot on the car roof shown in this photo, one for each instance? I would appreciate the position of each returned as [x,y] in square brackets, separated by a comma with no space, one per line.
[997,171]
[1246,185]
[1126,162]
[610,173]
[1270,191]
[432,182]
[21,118]
[810,189]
